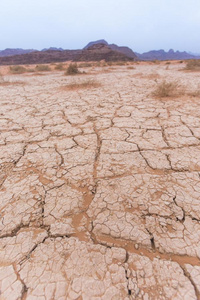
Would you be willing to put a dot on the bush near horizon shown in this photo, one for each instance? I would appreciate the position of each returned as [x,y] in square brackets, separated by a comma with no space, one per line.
[17,69]
[42,68]
[87,84]
[193,65]
[72,69]
[59,67]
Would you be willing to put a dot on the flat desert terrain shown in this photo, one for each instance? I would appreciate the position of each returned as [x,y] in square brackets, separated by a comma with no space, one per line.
[100,184]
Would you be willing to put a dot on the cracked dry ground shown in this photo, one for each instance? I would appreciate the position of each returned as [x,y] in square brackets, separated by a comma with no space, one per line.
[100,188]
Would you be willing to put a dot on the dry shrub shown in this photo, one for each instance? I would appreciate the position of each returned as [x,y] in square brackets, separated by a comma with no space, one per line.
[88,84]
[130,68]
[193,65]
[18,69]
[59,67]
[168,89]
[85,65]
[42,68]
[72,70]
[155,61]
[30,70]
[116,63]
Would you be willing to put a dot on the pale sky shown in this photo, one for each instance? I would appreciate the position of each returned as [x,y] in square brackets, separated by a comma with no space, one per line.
[142,25]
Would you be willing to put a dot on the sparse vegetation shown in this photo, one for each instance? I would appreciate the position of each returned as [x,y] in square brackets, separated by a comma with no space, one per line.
[88,84]
[155,61]
[42,68]
[116,63]
[72,70]
[85,65]
[168,89]
[30,70]
[18,69]
[59,67]
[193,65]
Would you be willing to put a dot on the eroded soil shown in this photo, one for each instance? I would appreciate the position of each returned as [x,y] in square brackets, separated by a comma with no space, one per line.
[100,188]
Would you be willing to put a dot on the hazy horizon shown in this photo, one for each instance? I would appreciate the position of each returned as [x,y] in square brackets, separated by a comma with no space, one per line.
[144,26]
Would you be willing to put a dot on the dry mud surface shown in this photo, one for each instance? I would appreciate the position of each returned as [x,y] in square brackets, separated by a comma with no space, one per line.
[100,188]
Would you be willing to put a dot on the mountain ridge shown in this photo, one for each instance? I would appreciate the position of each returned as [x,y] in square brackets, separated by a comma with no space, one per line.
[54,54]
[95,52]
[163,55]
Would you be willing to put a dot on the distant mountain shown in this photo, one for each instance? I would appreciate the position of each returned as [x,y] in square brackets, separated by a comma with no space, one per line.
[52,49]
[94,43]
[100,51]
[17,51]
[162,55]
[95,52]
[124,50]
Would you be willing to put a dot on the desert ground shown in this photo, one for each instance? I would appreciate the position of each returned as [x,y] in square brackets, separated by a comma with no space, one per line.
[100,184]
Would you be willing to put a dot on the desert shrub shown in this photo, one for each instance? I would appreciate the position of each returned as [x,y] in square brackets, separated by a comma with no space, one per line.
[168,89]
[17,69]
[30,70]
[59,67]
[130,68]
[120,63]
[193,65]
[72,70]
[87,84]
[42,68]
[168,63]
[85,65]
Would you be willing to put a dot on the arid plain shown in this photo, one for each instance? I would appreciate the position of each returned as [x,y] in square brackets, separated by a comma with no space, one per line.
[100,184]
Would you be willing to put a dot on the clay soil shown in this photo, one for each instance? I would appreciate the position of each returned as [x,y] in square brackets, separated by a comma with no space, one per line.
[100,186]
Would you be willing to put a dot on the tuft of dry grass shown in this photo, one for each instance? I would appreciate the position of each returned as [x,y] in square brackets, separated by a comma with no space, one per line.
[155,61]
[86,65]
[72,70]
[59,67]
[87,84]
[30,70]
[116,63]
[17,69]
[168,89]
[42,68]
[193,65]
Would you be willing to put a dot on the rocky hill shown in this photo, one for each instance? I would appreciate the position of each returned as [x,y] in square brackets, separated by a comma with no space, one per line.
[101,51]
[17,51]
[122,49]
[95,52]
[162,55]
